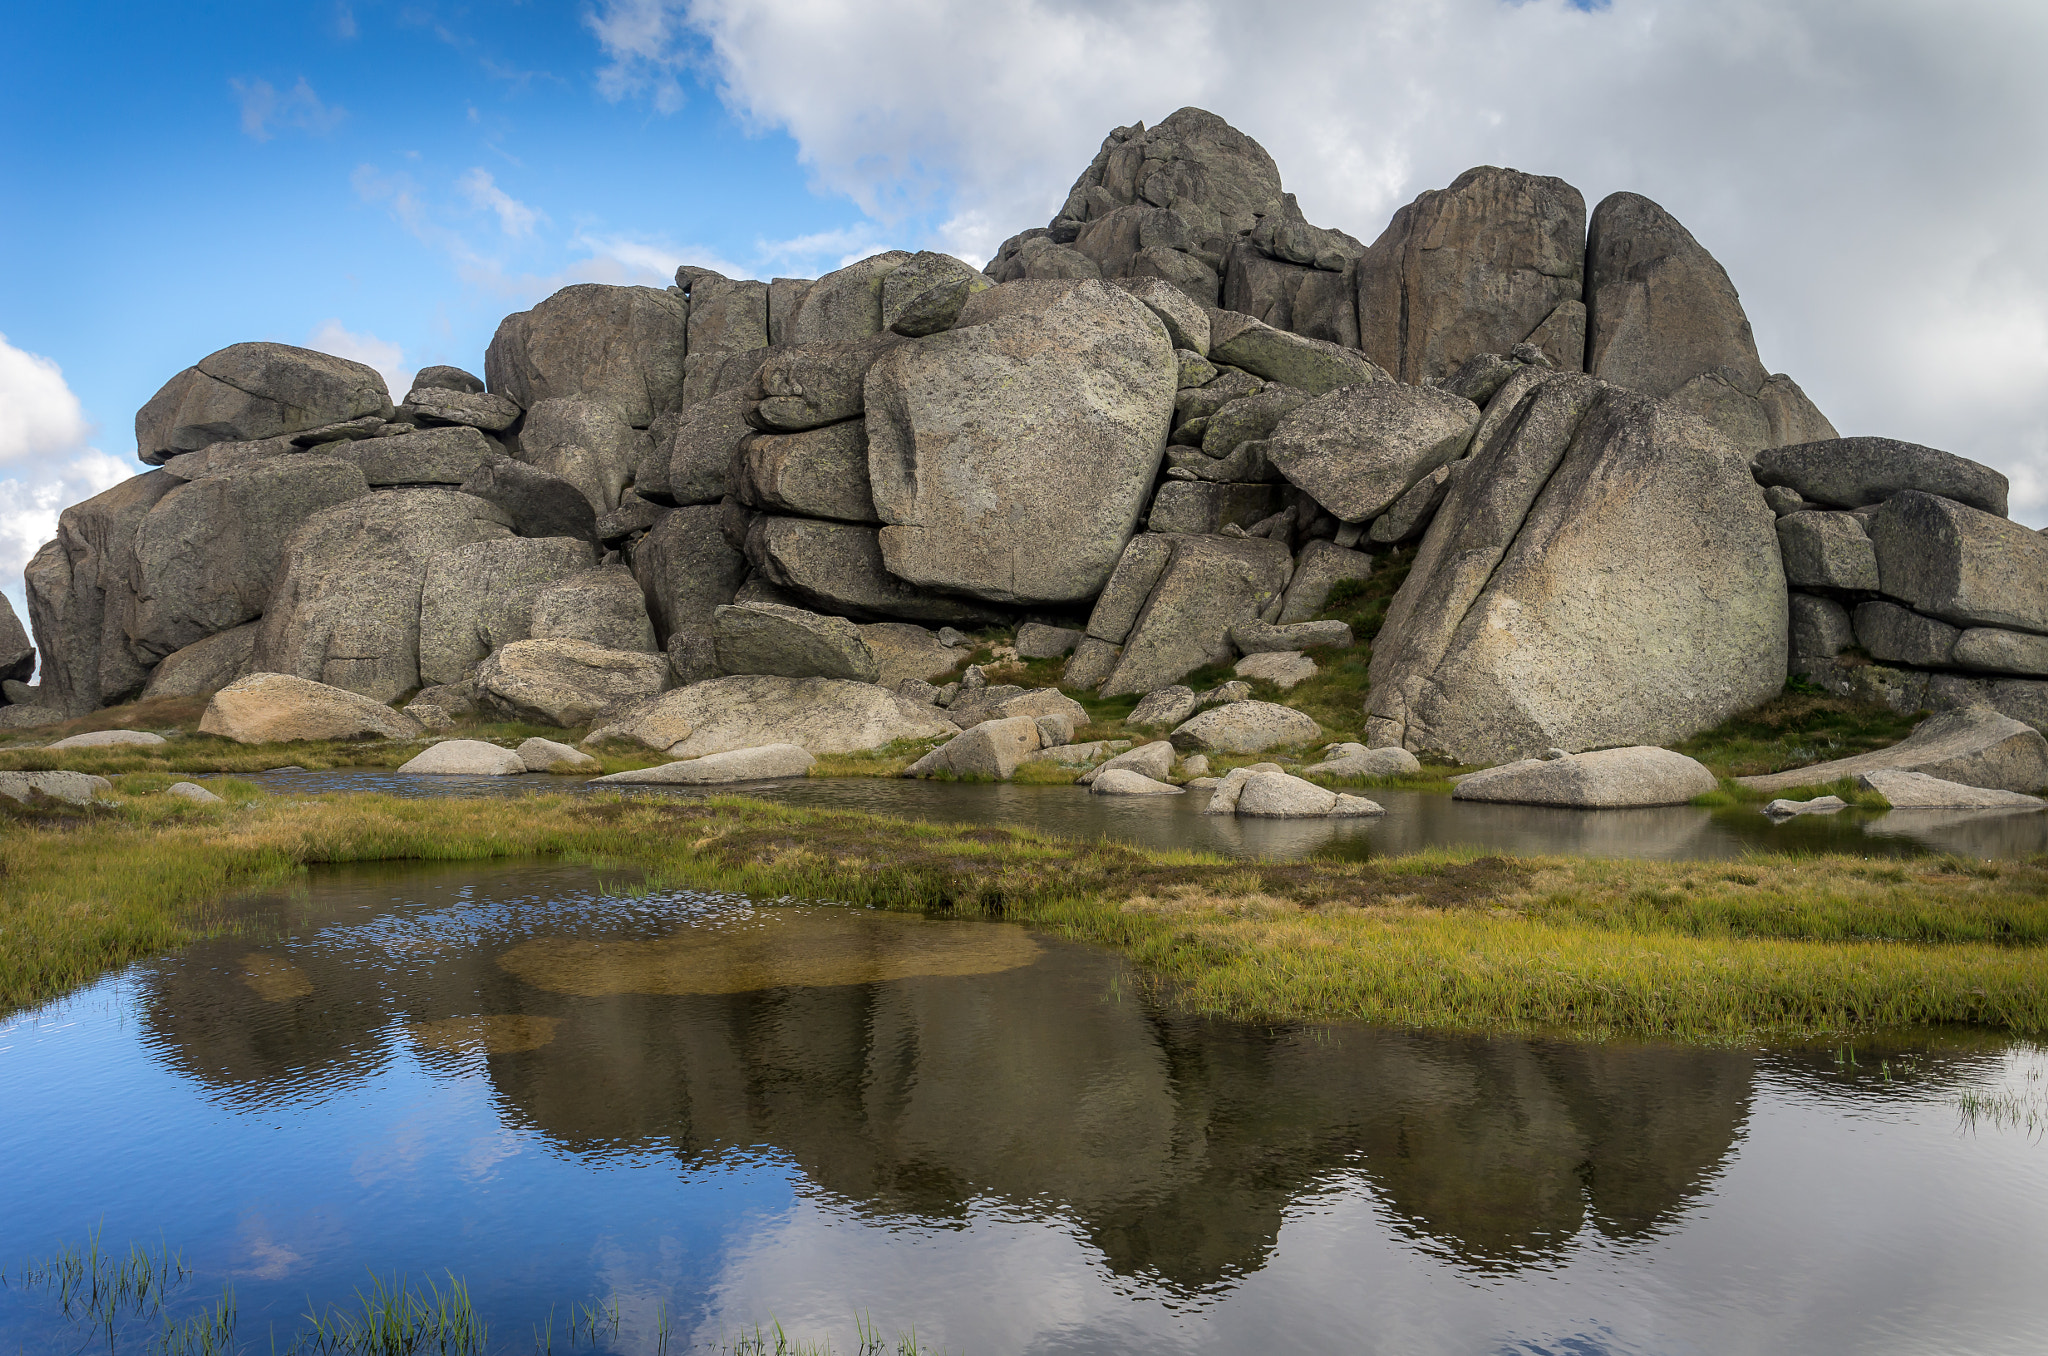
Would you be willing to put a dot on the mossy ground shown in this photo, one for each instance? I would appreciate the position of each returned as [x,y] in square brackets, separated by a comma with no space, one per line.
[1717,951]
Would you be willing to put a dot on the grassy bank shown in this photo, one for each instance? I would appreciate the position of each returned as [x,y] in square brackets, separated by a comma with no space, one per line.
[1692,950]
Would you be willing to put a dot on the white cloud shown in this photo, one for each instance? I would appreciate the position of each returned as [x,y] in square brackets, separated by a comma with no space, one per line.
[388,358]
[45,449]
[515,218]
[647,43]
[264,109]
[39,416]
[1868,173]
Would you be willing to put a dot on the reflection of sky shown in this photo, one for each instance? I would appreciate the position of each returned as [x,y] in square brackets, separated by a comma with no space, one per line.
[1851,1214]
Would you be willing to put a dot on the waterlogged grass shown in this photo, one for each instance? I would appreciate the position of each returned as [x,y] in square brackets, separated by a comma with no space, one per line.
[1769,946]
[1733,793]
[133,1301]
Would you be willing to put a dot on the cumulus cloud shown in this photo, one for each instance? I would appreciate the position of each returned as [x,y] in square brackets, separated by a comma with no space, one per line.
[388,358]
[264,110]
[47,461]
[1863,171]
[515,218]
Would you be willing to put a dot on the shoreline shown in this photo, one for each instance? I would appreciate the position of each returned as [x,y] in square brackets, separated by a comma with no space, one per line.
[1769,947]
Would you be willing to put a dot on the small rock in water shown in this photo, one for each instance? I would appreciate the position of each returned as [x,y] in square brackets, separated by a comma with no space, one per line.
[288,767]
[1819,805]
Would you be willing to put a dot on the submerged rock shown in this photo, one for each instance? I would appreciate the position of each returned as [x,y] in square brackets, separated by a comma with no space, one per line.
[760,763]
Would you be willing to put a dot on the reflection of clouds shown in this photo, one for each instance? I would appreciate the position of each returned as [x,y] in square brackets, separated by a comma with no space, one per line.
[452,1103]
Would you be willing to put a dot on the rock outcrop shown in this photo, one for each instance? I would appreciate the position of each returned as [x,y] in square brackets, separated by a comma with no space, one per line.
[1663,319]
[1010,457]
[1179,410]
[1608,574]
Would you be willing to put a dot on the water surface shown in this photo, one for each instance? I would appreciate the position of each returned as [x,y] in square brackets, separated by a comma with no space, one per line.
[1414,819]
[567,1090]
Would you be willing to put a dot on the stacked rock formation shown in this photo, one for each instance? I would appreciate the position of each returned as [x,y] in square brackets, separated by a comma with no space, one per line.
[1158,431]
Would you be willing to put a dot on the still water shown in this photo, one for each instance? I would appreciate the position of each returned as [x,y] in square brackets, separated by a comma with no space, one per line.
[566,1090]
[1414,819]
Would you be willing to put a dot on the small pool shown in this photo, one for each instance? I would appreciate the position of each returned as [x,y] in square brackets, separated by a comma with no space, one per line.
[694,1113]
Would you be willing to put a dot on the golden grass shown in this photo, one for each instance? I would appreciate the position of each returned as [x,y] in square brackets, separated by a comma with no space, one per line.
[1799,946]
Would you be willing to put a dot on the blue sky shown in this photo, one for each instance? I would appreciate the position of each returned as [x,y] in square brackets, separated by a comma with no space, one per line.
[403,173]
[387,180]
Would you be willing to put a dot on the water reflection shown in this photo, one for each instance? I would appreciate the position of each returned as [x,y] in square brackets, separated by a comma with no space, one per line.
[1414,820]
[1006,1141]
[1029,1071]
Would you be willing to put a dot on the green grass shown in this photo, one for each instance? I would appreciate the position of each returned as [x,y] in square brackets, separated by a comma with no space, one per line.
[1795,729]
[1769,946]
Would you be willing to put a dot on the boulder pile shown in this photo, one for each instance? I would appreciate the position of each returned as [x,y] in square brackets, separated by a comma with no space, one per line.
[1153,436]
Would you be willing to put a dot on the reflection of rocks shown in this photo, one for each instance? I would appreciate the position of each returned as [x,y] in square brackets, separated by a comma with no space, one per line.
[1177,1144]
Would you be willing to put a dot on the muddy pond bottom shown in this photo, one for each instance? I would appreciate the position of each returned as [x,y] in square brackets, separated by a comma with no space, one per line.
[1414,819]
[695,1113]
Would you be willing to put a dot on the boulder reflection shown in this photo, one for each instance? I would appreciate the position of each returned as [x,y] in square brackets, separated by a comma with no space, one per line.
[1176,1145]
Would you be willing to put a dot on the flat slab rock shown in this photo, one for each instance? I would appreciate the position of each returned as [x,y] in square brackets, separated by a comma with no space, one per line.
[1355,760]
[1974,746]
[823,715]
[276,708]
[1124,782]
[734,765]
[101,739]
[74,788]
[1610,779]
[466,758]
[1918,791]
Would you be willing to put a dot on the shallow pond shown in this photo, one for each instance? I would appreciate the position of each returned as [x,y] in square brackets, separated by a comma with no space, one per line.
[1414,819]
[568,1090]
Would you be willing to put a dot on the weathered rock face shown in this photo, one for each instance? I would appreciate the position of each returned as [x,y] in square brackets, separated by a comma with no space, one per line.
[346,611]
[819,473]
[1359,448]
[726,317]
[1315,366]
[686,569]
[812,385]
[1663,319]
[765,638]
[1826,550]
[1010,457]
[1202,506]
[1855,472]
[275,708]
[205,665]
[906,651]
[823,715]
[432,456]
[1602,525]
[623,345]
[569,682]
[1215,177]
[1321,567]
[1204,586]
[701,446]
[250,391]
[479,597]
[586,442]
[17,655]
[208,553]
[1960,564]
[1495,260]
[604,606]
[477,409]
[80,598]
[846,305]
[840,568]
[924,294]
[536,503]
